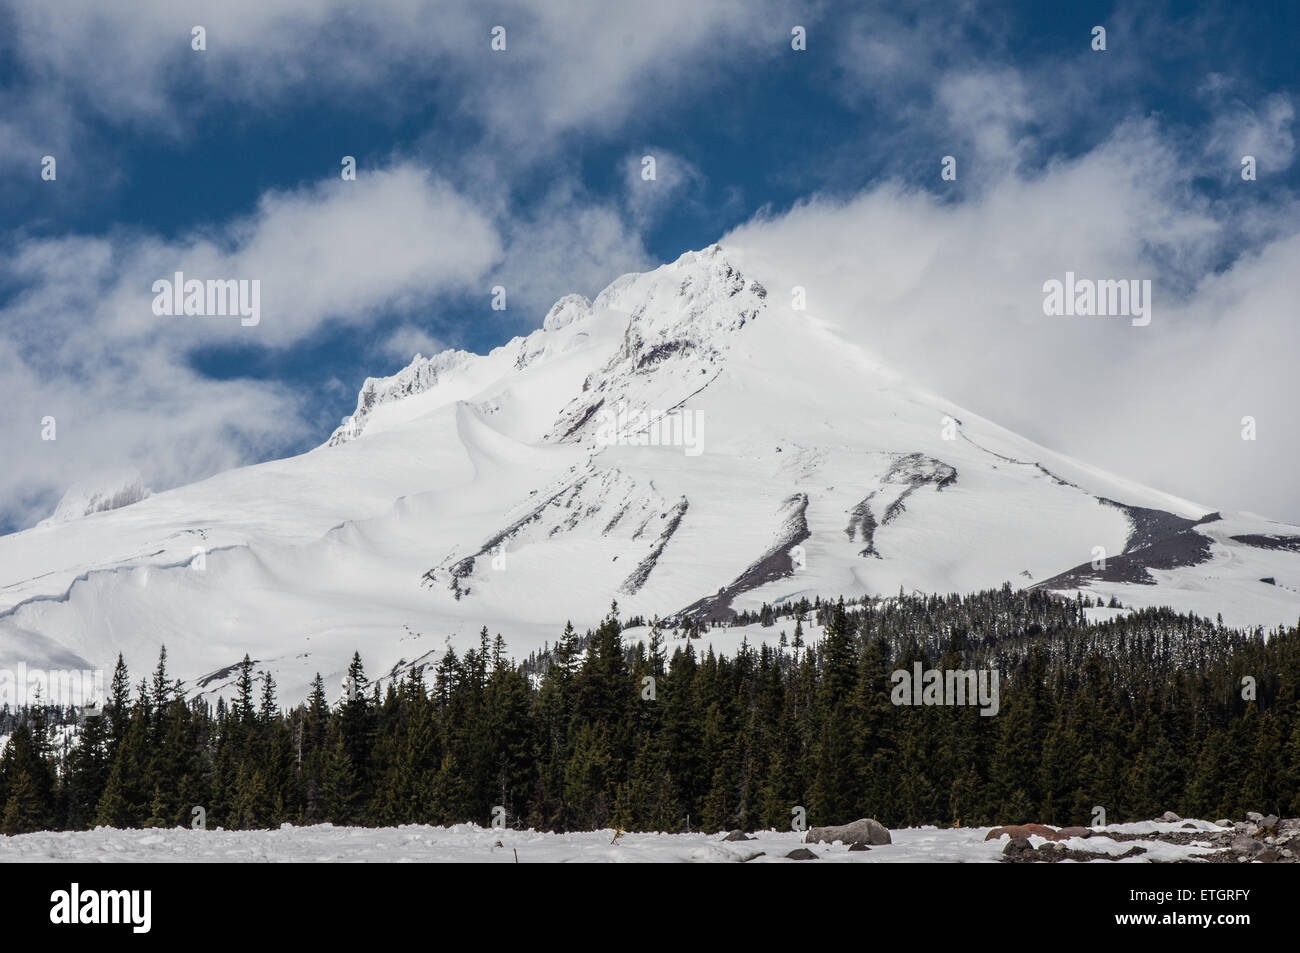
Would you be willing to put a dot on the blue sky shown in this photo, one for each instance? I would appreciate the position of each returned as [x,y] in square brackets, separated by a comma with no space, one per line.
[521,168]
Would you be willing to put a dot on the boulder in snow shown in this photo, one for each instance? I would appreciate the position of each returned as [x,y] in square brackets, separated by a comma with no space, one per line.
[863,831]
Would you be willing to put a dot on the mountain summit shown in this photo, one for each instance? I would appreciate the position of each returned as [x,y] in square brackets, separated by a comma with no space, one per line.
[687,443]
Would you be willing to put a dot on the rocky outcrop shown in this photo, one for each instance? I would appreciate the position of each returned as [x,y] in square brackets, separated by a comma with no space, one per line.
[864,831]
[1068,832]
[1019,850]
[681,324]
[1030,830]
[775,563]
[420,375]
[1261,839]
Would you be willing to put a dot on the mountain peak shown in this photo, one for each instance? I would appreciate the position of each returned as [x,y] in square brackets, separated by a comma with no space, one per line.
[686,309]
[570,308]
[682,320]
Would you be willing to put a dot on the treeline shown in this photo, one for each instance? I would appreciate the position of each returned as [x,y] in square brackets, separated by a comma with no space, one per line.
[1147,712]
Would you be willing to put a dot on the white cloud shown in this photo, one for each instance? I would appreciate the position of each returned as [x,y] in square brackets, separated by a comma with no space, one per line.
[80,341]
[408,340]
[342,249]
[952,295]
[139,406]
[335,251]
[989,110]
[567,64]
[568,243]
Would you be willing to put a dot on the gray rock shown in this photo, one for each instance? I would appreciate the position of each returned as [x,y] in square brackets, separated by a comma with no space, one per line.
[1245,845]
[801,853]
[737,835]
[1254,816]
[1223,822]
[1017,845]
[864,831]
[1169,817]
[1269,821]
[859,846]
[1267,856]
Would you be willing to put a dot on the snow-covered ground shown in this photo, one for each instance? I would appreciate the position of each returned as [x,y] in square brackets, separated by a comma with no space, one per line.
[469,843]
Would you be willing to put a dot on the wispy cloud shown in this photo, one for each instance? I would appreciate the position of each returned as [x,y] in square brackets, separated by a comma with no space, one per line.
[1262,130]
[656,181]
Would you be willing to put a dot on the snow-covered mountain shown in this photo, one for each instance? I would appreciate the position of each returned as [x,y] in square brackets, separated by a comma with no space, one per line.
[108,492]
[686,443]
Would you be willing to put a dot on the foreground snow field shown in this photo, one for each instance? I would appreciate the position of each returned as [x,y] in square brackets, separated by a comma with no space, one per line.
[469,843]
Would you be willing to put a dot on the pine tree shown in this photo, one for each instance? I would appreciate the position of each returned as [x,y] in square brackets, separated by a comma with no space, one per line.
[965,802]
[341,796]
[159,814]
[87,772]
[113,809]
[268,711]
[23,810]
[161,690]
[118,709]
[589,781]
[836,730]
[242,710]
